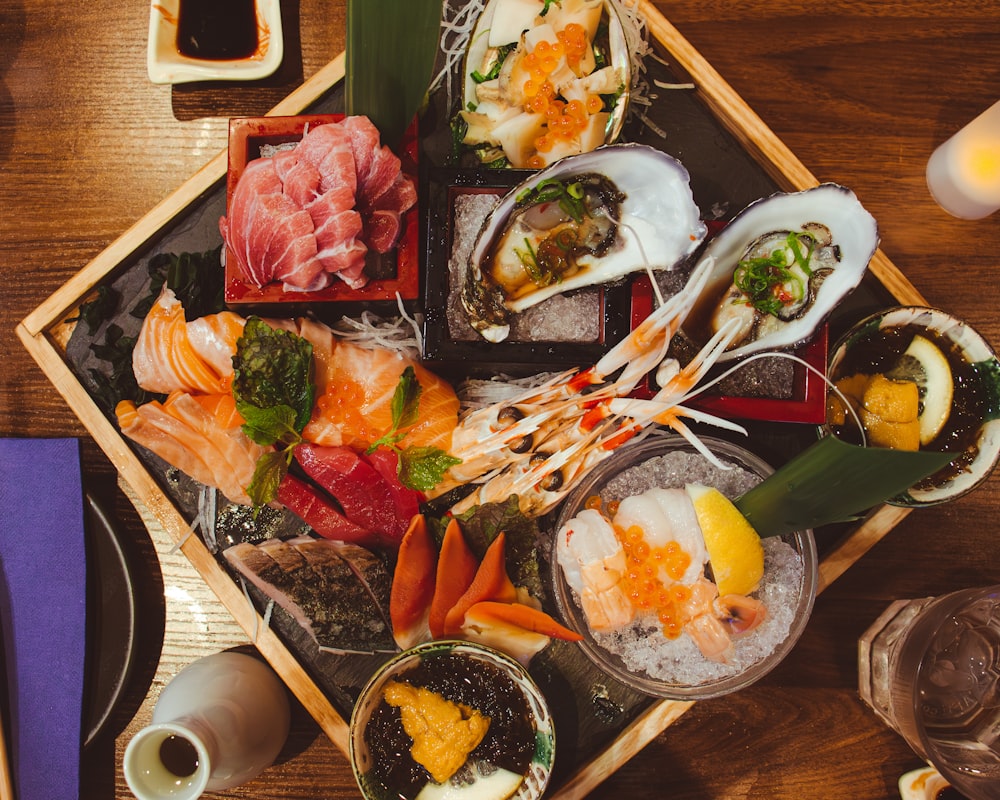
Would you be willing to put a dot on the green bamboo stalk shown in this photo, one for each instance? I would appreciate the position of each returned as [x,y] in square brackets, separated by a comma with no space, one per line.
[391,49]
[833,481]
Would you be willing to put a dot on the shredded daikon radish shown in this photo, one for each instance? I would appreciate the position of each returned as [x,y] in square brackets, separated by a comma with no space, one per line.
[476,393]
[457,25]
[665,85]
[400,334]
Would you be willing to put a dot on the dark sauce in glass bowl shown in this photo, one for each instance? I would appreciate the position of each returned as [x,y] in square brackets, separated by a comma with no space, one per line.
[509,742]
[217,30]
[879,350]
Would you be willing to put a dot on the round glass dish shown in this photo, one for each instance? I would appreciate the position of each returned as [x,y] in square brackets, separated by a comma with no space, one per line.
[875,344]
[474,658]
[669,461]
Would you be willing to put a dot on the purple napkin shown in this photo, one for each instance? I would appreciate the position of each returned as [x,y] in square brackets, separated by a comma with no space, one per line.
[43,613]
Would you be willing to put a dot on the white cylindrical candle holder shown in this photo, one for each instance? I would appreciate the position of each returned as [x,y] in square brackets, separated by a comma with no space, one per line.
[219,723]
[963,173]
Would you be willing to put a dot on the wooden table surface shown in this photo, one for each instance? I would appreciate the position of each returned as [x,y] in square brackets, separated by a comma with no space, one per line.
[860,92]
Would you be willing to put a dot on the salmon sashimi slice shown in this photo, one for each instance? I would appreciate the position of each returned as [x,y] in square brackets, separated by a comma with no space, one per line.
[164,358]
[185,435]
[213,338]
[354,406]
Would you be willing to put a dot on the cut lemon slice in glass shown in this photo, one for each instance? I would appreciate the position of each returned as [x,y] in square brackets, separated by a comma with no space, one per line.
[734,548]
[925,364]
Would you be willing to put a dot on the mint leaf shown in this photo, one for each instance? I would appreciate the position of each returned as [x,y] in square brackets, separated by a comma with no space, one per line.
[406,399]
[267,476]
[423,467]
[266,426]
[405,405]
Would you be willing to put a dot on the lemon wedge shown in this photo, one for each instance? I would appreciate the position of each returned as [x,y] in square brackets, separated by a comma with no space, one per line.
[734,548]
[925,364]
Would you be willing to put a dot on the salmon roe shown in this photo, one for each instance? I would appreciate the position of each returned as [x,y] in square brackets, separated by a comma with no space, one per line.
[642,578]
[564,122]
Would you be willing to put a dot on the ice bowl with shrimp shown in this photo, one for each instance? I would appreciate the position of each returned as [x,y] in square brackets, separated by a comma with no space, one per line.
[673,591]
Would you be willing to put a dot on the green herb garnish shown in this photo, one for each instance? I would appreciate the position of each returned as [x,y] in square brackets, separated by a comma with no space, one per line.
[274,392]
[770,282]
[568,194]
[420,467]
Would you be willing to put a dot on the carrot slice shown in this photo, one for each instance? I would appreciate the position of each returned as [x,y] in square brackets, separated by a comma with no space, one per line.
[456,570]
[490,583]
[413,585]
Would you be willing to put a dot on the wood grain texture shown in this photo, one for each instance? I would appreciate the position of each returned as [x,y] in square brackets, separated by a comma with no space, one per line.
[860,93]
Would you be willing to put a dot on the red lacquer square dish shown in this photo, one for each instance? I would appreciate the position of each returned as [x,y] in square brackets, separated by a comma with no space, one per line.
[247,135]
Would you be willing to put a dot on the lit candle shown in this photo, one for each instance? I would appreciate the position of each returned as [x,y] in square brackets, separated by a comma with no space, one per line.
[963,174]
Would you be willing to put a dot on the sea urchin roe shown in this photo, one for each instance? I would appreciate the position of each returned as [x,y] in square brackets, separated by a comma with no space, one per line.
[509,743]
[443,733]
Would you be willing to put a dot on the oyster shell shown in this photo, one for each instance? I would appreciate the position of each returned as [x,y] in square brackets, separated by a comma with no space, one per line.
[588,219]
[822,238]
[496,109]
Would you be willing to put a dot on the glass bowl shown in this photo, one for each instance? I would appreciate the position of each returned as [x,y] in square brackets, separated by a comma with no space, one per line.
[440,665]
[682,673]
[972,430]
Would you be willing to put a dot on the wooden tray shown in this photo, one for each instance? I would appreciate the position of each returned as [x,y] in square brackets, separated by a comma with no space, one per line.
[46,333]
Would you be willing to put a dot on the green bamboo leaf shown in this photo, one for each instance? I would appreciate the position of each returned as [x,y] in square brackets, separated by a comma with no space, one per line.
[391,49]
[833,481]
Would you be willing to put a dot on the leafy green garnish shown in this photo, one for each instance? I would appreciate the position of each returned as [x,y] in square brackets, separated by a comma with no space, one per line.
[568,194]
[769,282]
[120,384]
[420,467]
[101,308]
[481,525]
[274,392]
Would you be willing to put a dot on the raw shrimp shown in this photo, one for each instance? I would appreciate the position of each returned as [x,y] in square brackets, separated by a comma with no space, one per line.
[593,562]
[649,560]
[538,443]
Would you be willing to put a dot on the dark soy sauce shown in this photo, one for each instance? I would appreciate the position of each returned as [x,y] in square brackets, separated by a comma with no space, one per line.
[179,756]
[217,30]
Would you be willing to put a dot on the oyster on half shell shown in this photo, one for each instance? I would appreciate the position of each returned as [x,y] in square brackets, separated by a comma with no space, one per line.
[781,267]
[588,219]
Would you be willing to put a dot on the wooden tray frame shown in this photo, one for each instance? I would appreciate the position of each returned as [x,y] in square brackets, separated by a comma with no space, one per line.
[45,332]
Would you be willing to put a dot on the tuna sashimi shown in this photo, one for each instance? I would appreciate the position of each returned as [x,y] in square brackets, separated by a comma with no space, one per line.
[406,500]
[364,495]
[319,513]
[319,590]
[311,212]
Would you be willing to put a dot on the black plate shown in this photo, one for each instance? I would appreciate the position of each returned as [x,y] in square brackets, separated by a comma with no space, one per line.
[111,617]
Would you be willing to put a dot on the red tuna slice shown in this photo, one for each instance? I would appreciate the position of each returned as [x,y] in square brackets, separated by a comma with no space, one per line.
[399,197]
[365,141]
[301,184]
[352,273]
[382,229]
[284,161]
[259,180]
[319,513]
[329,148]
[366,498]
[407,500]
[383,171]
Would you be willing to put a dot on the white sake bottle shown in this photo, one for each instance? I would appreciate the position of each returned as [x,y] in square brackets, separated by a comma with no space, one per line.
[219,723]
